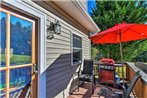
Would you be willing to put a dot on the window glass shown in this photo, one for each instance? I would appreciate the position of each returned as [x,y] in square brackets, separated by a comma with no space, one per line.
[20,79]
[20,41]
[20,53]
[2,83]
[3,39]
[77,48]
[77,41]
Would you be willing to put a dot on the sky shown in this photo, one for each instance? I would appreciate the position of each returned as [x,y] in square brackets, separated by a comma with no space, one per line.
[91,4]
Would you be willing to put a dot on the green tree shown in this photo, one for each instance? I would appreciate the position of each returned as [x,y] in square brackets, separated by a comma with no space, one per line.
[108,13]
[94,53]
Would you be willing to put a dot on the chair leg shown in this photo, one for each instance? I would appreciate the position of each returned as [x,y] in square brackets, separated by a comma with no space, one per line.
[78,89]
[78,83]
[93,84]
[92,87]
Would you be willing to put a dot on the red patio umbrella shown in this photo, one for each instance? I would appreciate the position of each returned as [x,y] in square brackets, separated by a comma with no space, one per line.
[121,33]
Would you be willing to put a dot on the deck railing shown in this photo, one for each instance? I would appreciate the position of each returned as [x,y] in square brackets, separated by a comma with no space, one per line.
[140,88]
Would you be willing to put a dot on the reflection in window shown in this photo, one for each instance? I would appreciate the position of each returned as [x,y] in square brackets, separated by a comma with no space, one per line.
[20,53]
[2,39]
[20,78]
[77,48]
[2,83]
[21,41]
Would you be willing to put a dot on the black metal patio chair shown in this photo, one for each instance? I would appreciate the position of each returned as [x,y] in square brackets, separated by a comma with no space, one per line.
[87,73]
[110,93]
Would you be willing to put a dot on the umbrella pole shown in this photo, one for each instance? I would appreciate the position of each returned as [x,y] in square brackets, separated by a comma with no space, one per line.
[122,59]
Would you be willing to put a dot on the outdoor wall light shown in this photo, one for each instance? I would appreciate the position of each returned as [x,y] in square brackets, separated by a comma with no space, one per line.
[53,28]
[57,27]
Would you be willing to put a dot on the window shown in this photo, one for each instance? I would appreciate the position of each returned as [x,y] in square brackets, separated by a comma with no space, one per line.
[17,53]
[77,49]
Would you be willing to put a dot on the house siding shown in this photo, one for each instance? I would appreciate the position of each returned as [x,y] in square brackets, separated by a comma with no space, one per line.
[57,11]
[86,47]
[60,72]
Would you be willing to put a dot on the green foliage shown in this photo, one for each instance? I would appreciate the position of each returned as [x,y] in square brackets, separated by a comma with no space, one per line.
[136,51]
[108,13]
[142,57]
[94,52]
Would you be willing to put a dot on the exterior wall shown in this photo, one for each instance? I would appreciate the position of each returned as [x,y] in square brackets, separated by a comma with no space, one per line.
[58,70]
[57,11]
[86,47]
[59,73]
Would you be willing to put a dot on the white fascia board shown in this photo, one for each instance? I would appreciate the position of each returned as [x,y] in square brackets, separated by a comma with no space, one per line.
[76,11]
[88,17]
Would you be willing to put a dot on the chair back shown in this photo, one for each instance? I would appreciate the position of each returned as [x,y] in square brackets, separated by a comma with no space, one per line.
[88,67]
[132,84]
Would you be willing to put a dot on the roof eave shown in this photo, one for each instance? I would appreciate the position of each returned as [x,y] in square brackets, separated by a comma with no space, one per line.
[76,10]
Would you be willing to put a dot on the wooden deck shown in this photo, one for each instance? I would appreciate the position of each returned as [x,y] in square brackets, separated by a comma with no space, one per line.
[85,91]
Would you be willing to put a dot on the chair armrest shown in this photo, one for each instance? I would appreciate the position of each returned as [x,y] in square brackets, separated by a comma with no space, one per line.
[117,84]
[123,87]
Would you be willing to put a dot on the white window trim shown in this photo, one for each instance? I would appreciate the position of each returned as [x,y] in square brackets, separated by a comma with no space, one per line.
[80,35]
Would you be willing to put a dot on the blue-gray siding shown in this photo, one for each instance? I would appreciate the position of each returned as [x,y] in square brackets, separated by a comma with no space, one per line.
[59,71]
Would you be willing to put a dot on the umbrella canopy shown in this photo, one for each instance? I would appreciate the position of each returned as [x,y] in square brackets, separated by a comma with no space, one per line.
[121,33]
[128,32]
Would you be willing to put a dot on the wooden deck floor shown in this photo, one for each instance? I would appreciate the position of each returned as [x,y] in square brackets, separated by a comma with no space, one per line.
[85,91]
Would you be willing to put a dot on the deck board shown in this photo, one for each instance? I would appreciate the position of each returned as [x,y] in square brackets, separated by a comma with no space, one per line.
[85,91]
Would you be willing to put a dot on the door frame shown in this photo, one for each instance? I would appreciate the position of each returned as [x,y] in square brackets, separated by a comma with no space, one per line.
[30,8]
